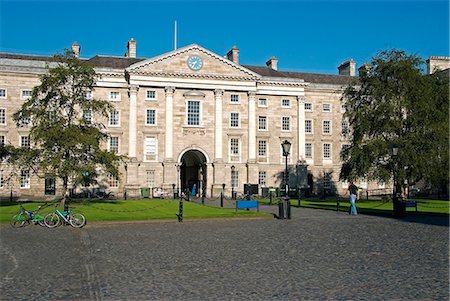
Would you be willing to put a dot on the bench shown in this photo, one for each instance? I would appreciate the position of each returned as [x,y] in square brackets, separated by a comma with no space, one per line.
[410,204]
[247,204]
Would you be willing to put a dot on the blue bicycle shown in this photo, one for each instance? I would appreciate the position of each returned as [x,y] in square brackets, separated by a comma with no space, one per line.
[54,219]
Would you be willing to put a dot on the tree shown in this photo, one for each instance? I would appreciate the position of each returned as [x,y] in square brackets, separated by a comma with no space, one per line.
[396,105]
[65,144]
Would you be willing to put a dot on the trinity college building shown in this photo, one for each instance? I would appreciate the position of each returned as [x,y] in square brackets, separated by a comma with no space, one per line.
[193,118]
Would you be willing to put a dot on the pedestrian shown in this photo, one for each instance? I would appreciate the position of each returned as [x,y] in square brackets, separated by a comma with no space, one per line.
[354,196]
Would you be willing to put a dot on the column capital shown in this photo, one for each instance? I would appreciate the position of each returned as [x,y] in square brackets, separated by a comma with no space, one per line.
[218,92]
[133,89]
[301,98]
[251,95]
[169,90]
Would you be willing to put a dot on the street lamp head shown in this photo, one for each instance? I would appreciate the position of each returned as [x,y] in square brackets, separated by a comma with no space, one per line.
[286,145]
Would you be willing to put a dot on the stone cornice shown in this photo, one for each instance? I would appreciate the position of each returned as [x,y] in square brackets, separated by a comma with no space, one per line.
[192,75]
[283,83]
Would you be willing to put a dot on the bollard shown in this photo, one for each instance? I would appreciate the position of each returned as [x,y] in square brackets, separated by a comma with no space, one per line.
[337,203]
[288,208]
[299,196]
[221,199]
[280,210]
[180,210]
[270,197]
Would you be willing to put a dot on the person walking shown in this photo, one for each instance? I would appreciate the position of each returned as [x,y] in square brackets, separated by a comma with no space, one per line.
[354,196]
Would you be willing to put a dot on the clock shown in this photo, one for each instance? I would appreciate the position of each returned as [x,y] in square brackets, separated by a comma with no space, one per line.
[195,62]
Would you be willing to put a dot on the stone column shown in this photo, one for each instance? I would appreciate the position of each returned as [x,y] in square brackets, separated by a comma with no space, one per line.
[251,128]
[218,139]
[132,122]
[301,128]
[168,146]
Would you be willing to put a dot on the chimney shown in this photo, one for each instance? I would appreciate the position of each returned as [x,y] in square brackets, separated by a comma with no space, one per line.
[233,55]
[435,63]
[272,63]
[76,49]
[131,48]
[347,68]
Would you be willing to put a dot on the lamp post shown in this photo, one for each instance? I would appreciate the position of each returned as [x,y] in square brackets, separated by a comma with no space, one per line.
[285,211]
[233,168]
[399,211]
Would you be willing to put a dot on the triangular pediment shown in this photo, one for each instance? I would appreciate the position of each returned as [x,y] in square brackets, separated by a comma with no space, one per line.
[176,63]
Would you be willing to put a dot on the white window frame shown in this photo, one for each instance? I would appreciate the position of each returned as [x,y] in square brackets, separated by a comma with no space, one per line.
[26,139]
[200,117]
[266,148]
[25,97]
[345,127]
[111,93]
[310,149]
[2,180]
[6,93]
[155,153]
[150,178]
[266,123]
[25,179]
[234,179]
[329,157]
[283,105]
[113,181]
[327,129]
[262,178]
[118,119]
[232,121]
[325,106]
[110,141]
[3,118]
[2,140]
[151,98]
[327,180]
[310,104]
[312,126]
[283,118]
[89,95]
[91,117]
[233,157]
[263,105]
[155,117]
[235,101]
[381,184]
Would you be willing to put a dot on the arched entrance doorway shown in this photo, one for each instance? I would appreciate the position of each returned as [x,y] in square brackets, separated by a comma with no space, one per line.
[193,172]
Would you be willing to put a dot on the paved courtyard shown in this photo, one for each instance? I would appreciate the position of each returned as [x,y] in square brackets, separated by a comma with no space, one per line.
[318,255]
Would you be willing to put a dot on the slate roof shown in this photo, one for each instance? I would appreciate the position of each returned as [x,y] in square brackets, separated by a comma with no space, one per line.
[116,62]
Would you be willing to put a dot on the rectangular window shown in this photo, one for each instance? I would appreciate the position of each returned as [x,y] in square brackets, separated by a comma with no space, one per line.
[286,103]
[286,123]
[89,95]
[25,94]
[2,140]
[234,98]
[381,184]
[114,95]
[327,180]
[150,95]
[114,118]
[3,116]
[262,178]
[235,150]
[262,102]
[150,118]
[262,148]
[234,120]
[113,181]
[87,116]
[308,126]
[2,93]
[50,186]
[24,179]
[150,149]
[25,141]
[326,107]
[150,178]
[308,107]
[308,150]
[235,179]
[345,127]
[262,123]
[193,112]
[2,180]
[326,126]
[327,151]
[344,184]
[114,144]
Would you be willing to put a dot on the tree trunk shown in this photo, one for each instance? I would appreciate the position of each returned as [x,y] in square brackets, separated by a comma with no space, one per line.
[65,199]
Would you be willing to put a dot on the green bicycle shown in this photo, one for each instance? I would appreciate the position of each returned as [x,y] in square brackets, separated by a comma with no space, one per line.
[25,217]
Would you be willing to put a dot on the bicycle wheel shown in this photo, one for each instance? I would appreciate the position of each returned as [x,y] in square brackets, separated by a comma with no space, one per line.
[17,221]
[52,220]
[77,220]
[39,219]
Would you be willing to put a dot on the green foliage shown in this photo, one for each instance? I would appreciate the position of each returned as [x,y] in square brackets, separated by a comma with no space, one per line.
[64,144]
[395,104]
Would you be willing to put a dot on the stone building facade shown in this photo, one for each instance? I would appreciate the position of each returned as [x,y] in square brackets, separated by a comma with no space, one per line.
[193,117]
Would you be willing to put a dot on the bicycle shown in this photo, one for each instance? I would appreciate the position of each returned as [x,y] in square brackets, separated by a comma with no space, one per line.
[54,219]
[25,217]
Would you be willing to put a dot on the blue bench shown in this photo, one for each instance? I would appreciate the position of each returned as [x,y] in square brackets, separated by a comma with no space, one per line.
[247,204]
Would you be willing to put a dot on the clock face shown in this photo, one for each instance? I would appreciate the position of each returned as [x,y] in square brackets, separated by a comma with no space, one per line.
[195,62]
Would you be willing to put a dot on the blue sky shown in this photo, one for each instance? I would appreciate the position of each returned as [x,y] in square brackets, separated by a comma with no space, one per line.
[307,36]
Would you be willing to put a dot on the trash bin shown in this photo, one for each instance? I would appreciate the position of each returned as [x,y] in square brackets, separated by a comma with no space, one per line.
[145,192]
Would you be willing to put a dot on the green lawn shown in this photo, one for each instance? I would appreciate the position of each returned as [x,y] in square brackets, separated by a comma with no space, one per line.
[374,206]
[108,210]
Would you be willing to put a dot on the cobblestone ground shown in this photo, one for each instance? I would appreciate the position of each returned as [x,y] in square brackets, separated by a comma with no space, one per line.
[317,255]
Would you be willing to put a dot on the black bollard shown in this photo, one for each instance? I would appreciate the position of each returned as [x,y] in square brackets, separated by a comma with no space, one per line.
[270,197]
[288,208]
[180,210]
[338,203]
[280,210]
[221,199]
